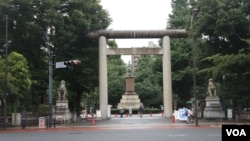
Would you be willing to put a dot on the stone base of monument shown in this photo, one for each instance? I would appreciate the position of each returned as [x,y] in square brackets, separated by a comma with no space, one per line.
[213,108]
[130,101]
[63,114]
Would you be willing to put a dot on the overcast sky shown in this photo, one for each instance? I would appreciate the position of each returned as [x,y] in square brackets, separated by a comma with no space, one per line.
[137,15]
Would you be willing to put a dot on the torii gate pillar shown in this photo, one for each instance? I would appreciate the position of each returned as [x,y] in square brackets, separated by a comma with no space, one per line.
[103,77]
[167,79]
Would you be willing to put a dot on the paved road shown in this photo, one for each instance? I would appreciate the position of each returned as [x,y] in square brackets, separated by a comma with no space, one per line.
[148,128]
[134,121]
[128,127]
[118,134]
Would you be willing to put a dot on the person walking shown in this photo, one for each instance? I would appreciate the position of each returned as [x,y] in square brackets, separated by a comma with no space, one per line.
[140,110]
[121,112]
[190,116]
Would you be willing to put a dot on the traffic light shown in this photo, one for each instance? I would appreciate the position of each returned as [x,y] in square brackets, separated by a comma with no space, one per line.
[71,63]
[75,62]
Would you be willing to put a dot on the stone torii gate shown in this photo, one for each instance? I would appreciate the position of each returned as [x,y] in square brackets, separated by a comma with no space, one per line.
[136,34]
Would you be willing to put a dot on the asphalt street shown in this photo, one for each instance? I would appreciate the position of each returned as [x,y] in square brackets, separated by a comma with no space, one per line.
[148,128]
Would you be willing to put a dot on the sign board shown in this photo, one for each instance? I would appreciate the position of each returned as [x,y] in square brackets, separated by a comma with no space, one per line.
[109,111]
[98,114]
[60,65]
[177,115]
[229,113]
[41,122]
[183,114]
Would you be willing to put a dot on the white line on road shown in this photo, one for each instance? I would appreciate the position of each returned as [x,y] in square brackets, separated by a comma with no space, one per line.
[177,135]
[214,135]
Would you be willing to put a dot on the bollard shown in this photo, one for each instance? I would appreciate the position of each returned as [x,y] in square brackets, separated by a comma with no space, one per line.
[162,114]
[1,124]
[23,121]
[47,122]
[93,121]
[151,114]
[86,116]
[173,118]
[115,114]
[54,123]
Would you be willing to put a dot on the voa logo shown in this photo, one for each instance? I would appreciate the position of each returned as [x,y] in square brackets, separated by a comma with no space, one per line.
[236,132]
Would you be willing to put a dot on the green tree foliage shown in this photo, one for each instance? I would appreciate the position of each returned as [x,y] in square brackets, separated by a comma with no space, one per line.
[224,49]
[234,69]
[116,77]
[146,84]
[19,79]
[225,25]
[181,52]
[66,22]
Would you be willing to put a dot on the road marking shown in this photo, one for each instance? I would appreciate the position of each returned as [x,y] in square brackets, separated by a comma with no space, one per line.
[214,135]
[177,135]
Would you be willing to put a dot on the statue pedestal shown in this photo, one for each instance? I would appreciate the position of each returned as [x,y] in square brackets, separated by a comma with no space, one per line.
[62,111]
[129,101]
[213,108]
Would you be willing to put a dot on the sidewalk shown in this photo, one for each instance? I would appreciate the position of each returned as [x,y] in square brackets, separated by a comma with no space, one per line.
[134,121]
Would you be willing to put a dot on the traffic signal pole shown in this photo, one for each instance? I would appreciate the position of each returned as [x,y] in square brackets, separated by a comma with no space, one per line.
[50,88]
[50,63]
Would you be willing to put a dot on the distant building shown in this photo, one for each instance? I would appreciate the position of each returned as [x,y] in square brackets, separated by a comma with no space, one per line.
[135,58]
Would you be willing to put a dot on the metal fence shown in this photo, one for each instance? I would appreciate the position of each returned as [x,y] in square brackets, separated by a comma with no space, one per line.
[243,115]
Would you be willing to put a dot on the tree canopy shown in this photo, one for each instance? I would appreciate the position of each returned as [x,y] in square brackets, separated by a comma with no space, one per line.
[66,22]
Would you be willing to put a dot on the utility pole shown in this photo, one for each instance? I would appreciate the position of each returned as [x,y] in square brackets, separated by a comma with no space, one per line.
[5,74]
[50,53]
[194,12]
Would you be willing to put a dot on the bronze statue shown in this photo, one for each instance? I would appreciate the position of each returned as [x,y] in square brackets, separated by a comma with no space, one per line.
[211,88]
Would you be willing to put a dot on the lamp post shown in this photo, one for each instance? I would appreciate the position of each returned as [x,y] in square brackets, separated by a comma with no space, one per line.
[194,12]
[50,54]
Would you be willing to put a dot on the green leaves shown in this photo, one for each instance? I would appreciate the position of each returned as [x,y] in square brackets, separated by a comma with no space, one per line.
[116,79]
[19,74]
[224,23]
[18,78]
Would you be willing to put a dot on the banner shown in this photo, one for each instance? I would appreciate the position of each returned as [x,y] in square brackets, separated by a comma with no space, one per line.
[41,122]
[183,114]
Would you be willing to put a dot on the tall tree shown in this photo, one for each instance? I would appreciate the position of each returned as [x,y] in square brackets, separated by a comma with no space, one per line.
[18,80]
[181,52]
[224,24]
[66,22]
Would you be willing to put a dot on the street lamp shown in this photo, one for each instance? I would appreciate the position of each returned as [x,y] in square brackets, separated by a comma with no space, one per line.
[51,55]
[194,12]
[5,74]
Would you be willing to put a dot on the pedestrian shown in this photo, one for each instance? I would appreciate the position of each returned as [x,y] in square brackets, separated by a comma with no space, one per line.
[130,111]
[190,116]
[141,110]
[121,112]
